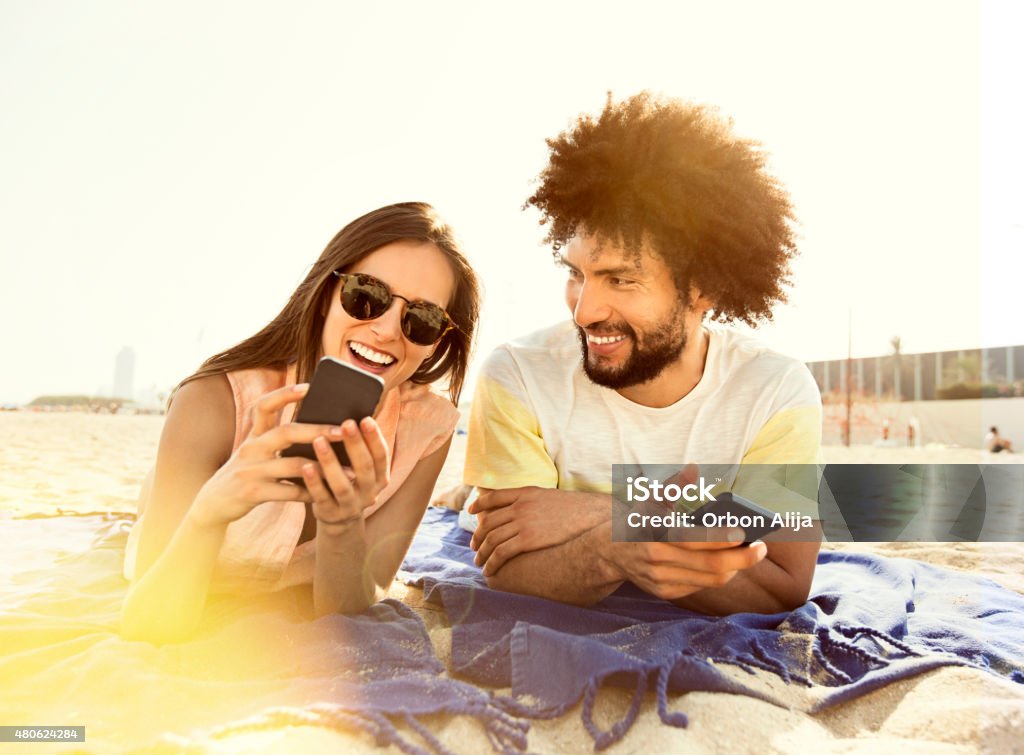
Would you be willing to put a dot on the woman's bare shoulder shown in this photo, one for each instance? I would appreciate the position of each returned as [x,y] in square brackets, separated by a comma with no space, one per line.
[202,416]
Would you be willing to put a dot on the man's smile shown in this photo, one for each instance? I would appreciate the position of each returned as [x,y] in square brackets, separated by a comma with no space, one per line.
[605,345]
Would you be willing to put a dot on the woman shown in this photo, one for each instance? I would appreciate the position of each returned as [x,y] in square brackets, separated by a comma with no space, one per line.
[391,294]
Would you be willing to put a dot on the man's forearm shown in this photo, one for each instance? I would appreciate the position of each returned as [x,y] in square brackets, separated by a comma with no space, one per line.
[572,572]
[581,571]
[587,566]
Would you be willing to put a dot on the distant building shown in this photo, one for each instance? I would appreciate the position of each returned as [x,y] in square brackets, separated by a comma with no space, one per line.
[124,374]
[989,372]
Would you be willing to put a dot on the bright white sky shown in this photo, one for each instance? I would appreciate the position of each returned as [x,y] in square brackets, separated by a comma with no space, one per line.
[169,171]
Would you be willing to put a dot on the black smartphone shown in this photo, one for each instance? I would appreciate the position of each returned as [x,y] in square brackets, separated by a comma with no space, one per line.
[337,392]
[731,510]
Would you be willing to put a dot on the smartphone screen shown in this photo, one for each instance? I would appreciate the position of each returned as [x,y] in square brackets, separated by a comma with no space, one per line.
[337,392]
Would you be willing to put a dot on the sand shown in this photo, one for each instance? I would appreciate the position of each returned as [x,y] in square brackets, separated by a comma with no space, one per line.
[89,463]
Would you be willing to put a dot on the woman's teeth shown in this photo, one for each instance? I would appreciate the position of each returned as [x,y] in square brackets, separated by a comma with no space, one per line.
[370,355]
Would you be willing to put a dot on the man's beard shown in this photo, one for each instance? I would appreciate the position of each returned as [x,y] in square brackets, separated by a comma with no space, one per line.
[661,348]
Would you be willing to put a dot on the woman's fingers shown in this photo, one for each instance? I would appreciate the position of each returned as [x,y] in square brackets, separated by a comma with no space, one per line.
[359,457]
[325,505]
[314,483]
[284,467]
[337,492]
[282,436]
[367,454]
[267,410]
[331,470]
[281,491]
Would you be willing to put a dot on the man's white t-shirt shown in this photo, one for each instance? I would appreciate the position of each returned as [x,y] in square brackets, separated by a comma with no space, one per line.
[537,419]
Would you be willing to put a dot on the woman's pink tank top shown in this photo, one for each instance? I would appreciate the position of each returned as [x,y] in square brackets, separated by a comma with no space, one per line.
[261,550]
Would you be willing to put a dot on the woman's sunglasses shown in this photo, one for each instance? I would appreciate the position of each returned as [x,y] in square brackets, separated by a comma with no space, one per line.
[367,298]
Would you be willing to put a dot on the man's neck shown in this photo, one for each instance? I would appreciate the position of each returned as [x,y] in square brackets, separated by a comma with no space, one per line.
[676,380]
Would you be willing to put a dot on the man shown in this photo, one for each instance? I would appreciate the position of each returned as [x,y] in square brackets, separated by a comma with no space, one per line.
[660,217]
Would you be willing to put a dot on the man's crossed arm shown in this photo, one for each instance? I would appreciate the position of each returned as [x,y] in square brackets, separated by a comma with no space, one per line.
[558,545]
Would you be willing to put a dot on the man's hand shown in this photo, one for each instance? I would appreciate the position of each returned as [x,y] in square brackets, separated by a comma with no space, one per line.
[675,570]
[518,520]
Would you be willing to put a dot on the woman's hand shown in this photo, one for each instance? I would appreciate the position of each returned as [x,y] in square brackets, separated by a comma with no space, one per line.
[255,472]
[340,494]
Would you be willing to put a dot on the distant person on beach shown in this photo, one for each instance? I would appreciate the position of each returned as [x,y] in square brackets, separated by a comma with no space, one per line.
[391,294]
[662,220]
[995,443]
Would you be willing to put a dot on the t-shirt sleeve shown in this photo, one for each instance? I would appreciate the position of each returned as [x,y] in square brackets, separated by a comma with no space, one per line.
[792,432]
[505,448]
[791,436]
[779,469]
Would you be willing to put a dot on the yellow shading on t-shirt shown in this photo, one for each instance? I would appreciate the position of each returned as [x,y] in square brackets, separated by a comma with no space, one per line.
[506,447]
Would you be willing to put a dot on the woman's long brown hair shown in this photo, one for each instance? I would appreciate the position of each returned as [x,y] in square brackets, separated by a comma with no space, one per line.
[294,336]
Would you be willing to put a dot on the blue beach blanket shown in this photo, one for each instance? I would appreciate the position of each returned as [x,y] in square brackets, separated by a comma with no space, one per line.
[869,622]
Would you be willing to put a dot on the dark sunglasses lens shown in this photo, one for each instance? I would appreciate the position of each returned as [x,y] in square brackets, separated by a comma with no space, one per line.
[365,298]
[424,323]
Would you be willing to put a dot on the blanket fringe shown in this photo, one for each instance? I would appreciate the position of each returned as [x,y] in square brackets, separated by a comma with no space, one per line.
[603,739]
[678,719]
[854,632]
[864,656]
[779,668]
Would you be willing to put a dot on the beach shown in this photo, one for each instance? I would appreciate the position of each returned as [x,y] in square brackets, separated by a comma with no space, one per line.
[82,464]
